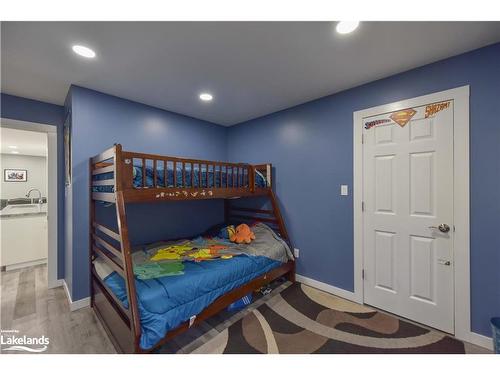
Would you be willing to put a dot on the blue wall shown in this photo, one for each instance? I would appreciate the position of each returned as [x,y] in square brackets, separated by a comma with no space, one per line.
[311,147]
[22,109]
[99,121]
[314,138]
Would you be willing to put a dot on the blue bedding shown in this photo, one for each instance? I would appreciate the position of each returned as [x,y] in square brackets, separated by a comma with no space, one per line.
[166,302]
[260,179]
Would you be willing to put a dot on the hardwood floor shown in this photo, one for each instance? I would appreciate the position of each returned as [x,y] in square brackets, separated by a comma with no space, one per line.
[32,309]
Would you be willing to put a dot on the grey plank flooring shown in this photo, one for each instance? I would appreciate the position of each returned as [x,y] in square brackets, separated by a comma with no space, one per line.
[27,305]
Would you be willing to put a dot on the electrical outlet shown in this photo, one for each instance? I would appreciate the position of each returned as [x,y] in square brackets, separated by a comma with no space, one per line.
[296,252]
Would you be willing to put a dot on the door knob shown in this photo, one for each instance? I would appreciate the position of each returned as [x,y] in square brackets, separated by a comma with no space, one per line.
[445,228]
[444,262]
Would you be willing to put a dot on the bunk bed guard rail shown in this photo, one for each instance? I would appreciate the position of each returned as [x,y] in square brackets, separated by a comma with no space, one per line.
[145,177]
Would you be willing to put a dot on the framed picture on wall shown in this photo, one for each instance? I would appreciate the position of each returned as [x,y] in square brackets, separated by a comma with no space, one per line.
[15,175]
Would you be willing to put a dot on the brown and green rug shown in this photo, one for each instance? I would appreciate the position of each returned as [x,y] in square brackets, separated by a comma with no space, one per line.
[301,319]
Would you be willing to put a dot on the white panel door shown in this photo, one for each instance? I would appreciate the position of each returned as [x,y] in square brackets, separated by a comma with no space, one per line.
[407,194]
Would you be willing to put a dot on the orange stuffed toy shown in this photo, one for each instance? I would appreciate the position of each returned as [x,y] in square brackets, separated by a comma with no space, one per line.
[243,234]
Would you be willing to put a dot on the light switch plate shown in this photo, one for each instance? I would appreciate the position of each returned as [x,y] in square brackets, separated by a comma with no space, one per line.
[296,252]
[344,190]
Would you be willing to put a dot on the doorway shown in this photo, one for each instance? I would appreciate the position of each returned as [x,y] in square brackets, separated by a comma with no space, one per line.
[411,209]
[31,205]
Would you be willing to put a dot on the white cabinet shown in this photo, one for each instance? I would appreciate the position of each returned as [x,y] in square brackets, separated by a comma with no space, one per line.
[23,239]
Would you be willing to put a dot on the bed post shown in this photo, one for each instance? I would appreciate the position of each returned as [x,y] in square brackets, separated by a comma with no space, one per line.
[135,325]
[281,225]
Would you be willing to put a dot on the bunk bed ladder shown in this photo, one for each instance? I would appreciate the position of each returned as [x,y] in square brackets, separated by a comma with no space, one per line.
[119,259]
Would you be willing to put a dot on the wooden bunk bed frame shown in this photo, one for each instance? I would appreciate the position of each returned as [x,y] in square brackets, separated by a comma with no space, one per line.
[123,325]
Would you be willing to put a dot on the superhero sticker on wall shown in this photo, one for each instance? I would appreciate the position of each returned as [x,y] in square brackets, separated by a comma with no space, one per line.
[403,117]
[432,109]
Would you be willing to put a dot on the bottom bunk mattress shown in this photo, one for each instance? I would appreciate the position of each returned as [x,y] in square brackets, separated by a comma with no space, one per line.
[166,302]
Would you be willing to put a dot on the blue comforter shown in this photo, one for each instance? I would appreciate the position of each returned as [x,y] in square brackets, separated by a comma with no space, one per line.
[166,302]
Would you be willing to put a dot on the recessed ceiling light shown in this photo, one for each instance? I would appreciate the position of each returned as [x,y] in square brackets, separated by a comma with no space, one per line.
[12,146]
[14,152]
[83,51]
[206,97]
[346,27]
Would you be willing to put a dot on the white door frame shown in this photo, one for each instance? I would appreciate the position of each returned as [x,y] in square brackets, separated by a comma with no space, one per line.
[52,197]
[461,245]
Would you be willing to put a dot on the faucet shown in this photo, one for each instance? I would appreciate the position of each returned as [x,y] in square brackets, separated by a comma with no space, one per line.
[40,200]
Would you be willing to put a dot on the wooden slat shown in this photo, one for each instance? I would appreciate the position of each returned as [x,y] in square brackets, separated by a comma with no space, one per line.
[251,179]
[207,174]
[183,174]
[192,174]
[143,172]
[199,175]
[115,266]
[108,182]
[255,218]
[139,155]
[165,174]
[110,296]
[213,178]
[154,174]
[117,253]
[154,195]
[105,197]
[107,231]
[175,173]
[105,155]
[108,169]
[277,214]
[102,164]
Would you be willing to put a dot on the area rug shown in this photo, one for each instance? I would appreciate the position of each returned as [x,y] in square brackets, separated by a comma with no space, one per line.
[301,319]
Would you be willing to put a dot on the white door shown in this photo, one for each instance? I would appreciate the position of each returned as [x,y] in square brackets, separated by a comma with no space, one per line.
[407,195]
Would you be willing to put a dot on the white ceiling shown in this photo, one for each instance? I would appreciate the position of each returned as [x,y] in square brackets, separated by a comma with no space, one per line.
[252,68]
[27,142]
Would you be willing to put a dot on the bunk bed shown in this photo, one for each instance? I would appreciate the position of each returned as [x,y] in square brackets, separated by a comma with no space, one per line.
[119,178]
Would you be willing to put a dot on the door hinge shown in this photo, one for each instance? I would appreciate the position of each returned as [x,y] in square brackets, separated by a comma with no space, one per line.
[363,274]
[362,138]
[363,206]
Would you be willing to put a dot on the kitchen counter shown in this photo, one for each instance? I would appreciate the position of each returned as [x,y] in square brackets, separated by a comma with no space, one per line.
[23,210]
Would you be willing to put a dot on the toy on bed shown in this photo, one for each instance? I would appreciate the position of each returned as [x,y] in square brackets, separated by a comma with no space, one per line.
[243,234]
[227,232]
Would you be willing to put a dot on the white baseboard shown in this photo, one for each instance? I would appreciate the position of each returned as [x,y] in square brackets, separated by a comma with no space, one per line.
[55,284]
[75,305]
[479,340]
[17,266]
[328,288]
